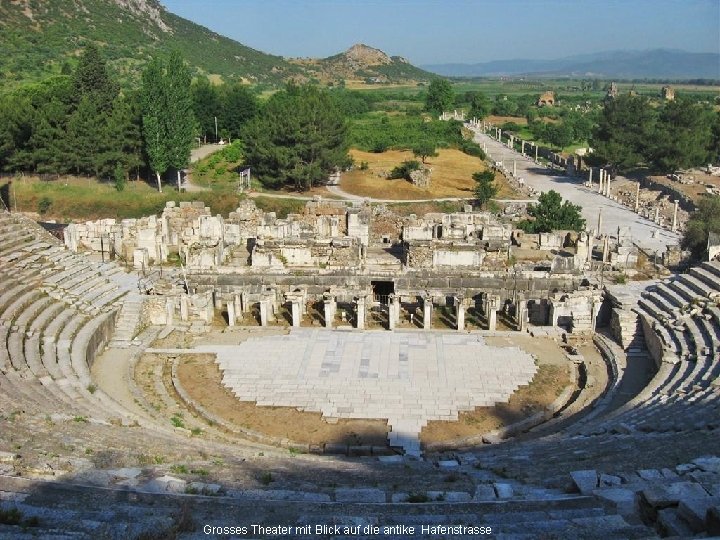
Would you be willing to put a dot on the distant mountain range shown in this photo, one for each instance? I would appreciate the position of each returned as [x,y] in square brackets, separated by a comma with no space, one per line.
[650,64]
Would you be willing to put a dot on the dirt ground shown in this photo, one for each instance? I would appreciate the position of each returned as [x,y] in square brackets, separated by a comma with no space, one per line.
[451,176]
[201,378]
[552,377]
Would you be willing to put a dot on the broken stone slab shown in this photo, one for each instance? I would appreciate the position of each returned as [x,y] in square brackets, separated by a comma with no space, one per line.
[7,457]
[658,497]
[623,499]
[165,484]
[503,490]
[484,492]
[585,481]
[448,464]
[694,511]
[360,495]
[708,464]
[669,523]
[650,474]
[609,480]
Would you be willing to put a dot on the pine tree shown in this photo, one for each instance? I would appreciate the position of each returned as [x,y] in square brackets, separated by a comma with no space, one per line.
[239,106]
[485,188]
[299,139]
[92,80]
[206,107]
[683,136]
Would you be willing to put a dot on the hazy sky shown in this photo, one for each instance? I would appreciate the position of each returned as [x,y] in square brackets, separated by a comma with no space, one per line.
[439,31]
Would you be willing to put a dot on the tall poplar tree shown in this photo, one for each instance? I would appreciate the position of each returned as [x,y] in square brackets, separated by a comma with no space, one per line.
[154,111]
[179,118]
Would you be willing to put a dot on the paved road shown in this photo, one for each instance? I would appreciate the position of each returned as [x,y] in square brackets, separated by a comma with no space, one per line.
[196,154]
[614,214]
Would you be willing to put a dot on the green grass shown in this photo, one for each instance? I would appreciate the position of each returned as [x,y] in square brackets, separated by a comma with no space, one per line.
[85,199]
[282,207]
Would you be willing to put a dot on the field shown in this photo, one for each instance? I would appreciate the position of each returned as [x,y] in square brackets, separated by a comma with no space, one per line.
[451,177]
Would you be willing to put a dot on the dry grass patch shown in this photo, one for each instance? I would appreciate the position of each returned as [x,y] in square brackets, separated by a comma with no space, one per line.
[451,176]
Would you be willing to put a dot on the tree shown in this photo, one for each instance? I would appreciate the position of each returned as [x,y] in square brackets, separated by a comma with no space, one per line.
[624,132]
[206,107]
[92,80]
[424,149]
[683,137]
[439,96]
[154,129]
[300,138]
[485,188]
[238,105]
[558,135]
[178,115]
[479,105]
[704,220]
[552,214]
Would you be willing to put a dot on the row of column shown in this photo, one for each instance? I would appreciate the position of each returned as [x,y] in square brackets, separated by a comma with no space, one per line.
[297,301]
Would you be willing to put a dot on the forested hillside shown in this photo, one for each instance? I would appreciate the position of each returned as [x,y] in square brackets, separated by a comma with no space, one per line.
[44,37]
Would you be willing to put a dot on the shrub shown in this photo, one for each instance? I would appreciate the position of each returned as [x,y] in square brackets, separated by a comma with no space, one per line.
[405,168]
[266,478]
[44,205]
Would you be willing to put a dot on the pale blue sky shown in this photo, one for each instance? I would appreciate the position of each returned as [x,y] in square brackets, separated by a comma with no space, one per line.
[435,31]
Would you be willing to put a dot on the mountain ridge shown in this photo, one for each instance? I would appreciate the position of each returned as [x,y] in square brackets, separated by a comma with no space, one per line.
[44,38]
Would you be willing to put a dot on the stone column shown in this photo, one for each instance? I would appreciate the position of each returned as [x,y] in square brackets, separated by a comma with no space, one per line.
[521,314]
[599,225]
[675,213]
[427,312]
[590,249]
[514,169]
[493,303]
[522,147]
[184,308]
[637,197]
[512,142]
[360,312]
[606,248]
[296,312]
[657,215]
[169,311]
[590,177]
[460,313]
[600,180]
[231,312]
[244,302]
[607,185]
[264,308]
[393,311]
[536,152]
[499,135]
[553,315]
[329,305]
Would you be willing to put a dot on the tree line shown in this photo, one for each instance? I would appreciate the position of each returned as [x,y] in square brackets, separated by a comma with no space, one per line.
[633,132]
[84,123]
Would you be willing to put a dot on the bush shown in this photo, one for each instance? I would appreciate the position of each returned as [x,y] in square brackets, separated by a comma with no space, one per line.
[404,169]
[44,205]
[364,165]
